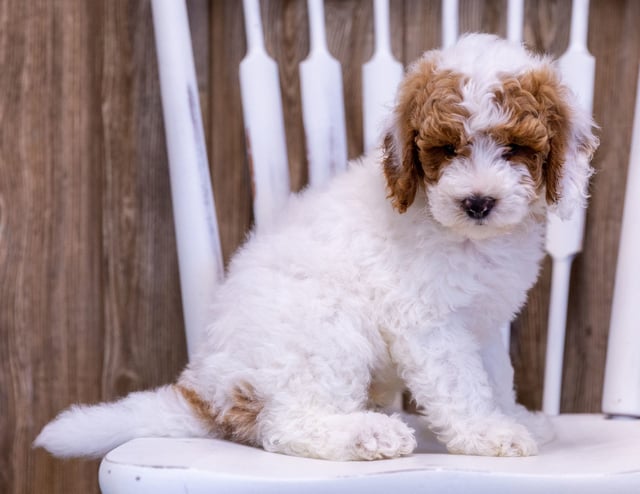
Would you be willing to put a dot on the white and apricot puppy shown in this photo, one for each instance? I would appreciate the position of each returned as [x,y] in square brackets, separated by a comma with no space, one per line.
[397,274]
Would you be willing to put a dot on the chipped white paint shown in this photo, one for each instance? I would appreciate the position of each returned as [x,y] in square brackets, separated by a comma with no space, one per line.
[449,22]
[198,244]
[264,122]
[380,78]
[590,455]
[515,20]
[322,103]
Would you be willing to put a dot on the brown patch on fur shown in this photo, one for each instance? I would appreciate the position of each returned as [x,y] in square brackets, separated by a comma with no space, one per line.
[201,407]
[238,423]
[402,179]
[429,131]
[539,127]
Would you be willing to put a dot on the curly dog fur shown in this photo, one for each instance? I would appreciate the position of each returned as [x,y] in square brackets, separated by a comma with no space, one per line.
[397,274]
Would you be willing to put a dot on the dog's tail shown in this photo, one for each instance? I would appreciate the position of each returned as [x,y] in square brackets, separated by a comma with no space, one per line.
[92,431]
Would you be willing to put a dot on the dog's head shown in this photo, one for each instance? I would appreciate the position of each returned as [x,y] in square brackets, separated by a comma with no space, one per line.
[488,132]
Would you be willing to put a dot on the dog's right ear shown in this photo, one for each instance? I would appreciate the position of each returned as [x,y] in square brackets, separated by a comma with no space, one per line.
[401,154]
[413,110]
[401,164]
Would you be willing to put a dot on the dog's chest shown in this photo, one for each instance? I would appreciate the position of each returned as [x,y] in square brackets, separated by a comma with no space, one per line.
[499,276]
[490,276]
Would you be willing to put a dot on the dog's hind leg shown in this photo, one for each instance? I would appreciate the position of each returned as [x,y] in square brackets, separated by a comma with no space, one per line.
[325,434]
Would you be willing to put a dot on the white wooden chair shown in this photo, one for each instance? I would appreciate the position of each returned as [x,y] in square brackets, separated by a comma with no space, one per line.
[591,453]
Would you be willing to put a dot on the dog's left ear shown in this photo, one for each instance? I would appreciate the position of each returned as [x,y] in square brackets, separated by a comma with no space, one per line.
[571,141]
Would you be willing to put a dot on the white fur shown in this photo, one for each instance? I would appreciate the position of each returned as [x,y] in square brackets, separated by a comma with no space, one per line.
[91,431]
[342,295]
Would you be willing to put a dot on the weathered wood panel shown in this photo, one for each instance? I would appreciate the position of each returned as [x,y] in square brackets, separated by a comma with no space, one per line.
[89,300]
[52,315]
[230,171]
[90,303]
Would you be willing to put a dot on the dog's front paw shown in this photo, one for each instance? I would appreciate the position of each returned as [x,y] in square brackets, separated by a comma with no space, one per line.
[537,423]
[494,437]
[380,436]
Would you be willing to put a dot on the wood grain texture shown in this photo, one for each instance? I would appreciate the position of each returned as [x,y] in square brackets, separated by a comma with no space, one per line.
[487,16]
[420,30]
[141,277]
[227,157]
[287,41]
[51,243]
[90,294]
[89,299]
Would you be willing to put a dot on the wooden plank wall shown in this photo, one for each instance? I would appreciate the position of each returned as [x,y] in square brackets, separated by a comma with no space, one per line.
[89,301]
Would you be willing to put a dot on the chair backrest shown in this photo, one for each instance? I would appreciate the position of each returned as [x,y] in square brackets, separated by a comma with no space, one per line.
[323,117]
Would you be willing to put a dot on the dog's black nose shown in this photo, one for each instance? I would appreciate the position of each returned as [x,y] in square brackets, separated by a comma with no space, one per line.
[478,207]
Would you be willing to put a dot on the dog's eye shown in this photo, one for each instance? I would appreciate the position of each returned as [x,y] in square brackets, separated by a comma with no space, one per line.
[512,150]
[449,150]
[509,151]
[443,152]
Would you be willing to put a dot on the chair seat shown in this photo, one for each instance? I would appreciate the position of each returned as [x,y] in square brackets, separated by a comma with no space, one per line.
[590,454]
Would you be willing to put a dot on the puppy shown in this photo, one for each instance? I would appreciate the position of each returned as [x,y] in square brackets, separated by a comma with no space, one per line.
[398,274]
